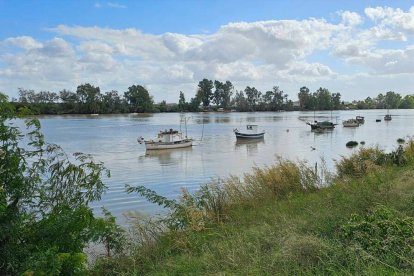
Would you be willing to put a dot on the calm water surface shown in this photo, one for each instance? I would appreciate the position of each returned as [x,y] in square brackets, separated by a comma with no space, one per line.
[113,140]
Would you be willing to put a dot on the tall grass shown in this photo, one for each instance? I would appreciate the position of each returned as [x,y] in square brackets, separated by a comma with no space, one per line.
[287,218]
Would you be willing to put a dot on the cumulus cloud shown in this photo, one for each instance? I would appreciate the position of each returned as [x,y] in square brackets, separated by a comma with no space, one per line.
[350,18]
[393,17]
[273,52]
[24,42]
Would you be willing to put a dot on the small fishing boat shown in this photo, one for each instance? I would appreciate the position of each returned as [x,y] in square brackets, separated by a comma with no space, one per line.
[251,132]
[387,117]
[321,125]
[350,123]
[167,139]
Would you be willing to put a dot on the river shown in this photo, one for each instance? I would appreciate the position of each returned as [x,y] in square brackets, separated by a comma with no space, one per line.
[112,139]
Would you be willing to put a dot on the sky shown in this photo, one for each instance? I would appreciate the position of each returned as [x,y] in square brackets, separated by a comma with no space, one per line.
[357,48]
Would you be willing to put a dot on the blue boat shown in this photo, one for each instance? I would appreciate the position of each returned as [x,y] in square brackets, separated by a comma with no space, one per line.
[251,132]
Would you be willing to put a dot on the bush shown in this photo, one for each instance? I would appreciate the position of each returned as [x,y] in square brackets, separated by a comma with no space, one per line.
[365,160]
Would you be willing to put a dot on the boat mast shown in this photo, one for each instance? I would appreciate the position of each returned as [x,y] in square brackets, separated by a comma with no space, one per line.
[185,122]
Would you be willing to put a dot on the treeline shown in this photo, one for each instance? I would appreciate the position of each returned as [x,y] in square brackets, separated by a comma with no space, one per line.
[210,96]
[390,100]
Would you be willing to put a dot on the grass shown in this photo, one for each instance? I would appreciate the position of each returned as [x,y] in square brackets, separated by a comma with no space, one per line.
[278,220]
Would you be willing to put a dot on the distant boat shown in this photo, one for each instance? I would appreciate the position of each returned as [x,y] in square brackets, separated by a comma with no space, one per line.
[167,139]
[321,125]
[251,132]
[378,120]
[388,117]
[351,123]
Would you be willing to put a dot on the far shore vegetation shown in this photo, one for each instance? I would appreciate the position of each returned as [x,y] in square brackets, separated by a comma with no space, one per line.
[290,218]
[210,96]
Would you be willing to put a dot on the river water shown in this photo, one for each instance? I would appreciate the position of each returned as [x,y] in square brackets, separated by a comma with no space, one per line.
[112,139]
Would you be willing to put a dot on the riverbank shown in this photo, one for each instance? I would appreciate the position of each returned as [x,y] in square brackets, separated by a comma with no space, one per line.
[279,220]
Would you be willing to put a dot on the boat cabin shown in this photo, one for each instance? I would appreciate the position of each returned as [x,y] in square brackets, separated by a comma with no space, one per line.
[252,128]
[170,135]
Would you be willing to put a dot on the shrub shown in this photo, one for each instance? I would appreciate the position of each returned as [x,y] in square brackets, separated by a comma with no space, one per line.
[365,160]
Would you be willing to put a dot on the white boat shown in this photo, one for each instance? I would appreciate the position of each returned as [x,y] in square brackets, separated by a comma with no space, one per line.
[251,132]
[167,139]
[351,123]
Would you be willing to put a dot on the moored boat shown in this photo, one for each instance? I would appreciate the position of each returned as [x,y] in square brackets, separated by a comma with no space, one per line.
[321,125]
[387,117]
[350,123]
[251,132]
[167,139]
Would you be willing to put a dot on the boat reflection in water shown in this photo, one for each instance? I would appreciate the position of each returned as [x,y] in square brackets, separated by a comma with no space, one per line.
[168,157]
[251,145]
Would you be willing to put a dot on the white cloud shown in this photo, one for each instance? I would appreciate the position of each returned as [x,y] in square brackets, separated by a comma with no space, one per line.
[262,54]
[392,17]
[112,5]
[116,5]
[24,42]
[350,18]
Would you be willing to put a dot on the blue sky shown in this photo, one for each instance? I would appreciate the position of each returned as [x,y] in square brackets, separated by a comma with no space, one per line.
[357,48]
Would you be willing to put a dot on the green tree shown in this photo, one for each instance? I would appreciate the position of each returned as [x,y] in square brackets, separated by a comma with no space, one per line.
[253,96]
[407,102]
[45,218]
[69,101]
[336,101]
[89,97]
[392,99]
[182,104]
[323,99]
[305,99]
[240,101]
[205,92]
[139,99]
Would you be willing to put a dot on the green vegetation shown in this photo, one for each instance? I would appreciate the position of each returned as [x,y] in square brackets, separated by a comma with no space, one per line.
[288,218]
[45,218]
[284,219]
[209,96]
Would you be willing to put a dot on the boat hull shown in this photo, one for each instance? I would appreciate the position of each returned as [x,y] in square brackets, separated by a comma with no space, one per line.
[240,135]
[149,145]
[321,126]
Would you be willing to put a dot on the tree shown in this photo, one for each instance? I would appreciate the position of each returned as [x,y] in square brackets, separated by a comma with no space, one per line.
[182,105]
[392,99]
[407,102]
[240,101]
[204,92]
[69,100]
[323,99]
[89,97]
[45,218]
[111,102]
[336,100]
[139,99]
[253,97]
[305,99]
